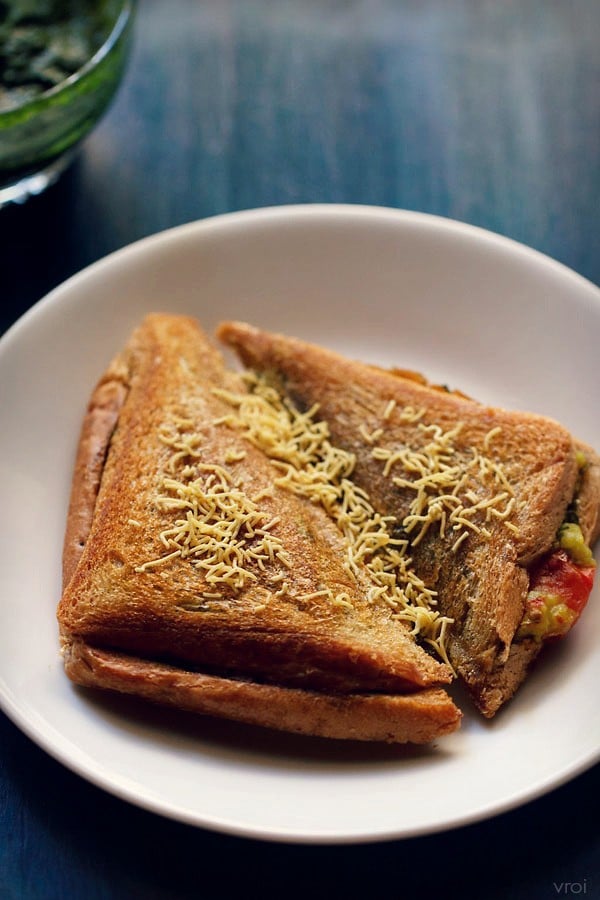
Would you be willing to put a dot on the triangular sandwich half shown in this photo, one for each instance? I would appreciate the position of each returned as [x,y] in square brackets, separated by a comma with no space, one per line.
[498,508]
[193,578]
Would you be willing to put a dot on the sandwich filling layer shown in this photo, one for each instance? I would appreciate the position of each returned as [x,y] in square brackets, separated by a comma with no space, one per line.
[560,583]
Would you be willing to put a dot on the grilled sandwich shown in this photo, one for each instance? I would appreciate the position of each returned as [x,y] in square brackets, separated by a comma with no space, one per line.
[250,579]
[497,510]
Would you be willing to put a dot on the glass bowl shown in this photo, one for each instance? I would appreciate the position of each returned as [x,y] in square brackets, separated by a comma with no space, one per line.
[41,127]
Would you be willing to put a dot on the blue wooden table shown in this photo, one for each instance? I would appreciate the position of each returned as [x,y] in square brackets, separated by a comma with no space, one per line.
[484,111]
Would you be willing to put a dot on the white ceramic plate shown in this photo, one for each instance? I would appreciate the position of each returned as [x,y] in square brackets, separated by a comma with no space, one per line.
[466,307]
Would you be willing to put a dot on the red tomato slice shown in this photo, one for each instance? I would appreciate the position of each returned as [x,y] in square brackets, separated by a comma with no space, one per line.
[558,575]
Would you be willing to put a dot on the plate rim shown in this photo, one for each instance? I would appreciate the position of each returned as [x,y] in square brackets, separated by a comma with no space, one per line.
[82,765]
[308,210]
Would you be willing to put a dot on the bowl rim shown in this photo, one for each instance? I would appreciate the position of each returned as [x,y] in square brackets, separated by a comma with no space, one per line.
[123,18]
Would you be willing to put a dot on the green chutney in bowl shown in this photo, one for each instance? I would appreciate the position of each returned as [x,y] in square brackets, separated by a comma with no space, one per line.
[61,62]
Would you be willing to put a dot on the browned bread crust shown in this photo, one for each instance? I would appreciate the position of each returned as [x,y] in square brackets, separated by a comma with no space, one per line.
[588,494]
[483,584]
[395,718]
[131,630]
[98,425]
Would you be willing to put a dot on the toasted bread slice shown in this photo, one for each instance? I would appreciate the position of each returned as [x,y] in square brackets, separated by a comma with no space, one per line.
[474,540]
[416,718]
[160,485]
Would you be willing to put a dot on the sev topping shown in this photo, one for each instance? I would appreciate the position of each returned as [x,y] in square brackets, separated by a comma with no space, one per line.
[226,536]
[219,529]
[311,467]
[451,492]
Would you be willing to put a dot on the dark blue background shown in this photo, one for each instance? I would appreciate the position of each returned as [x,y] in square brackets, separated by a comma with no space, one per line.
[487,111]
